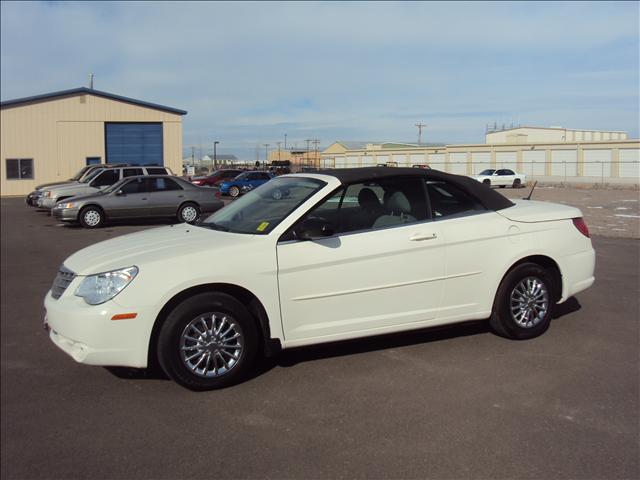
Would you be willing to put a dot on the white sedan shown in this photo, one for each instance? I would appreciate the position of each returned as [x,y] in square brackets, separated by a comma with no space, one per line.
[503,177]
[318,257]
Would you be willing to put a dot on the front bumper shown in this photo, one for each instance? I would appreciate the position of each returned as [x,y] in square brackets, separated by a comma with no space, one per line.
[88,334]
[32,199]
[65,214]
[47,202]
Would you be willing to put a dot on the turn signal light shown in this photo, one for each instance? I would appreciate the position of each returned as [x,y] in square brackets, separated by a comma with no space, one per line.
[581,225]
[124,316]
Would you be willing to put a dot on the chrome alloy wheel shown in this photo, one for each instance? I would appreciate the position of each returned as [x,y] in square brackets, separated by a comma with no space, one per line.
[529,302]
[211,344]
[189,213]
[92,218]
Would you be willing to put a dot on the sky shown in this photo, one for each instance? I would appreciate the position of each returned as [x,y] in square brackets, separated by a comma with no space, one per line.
[250,72]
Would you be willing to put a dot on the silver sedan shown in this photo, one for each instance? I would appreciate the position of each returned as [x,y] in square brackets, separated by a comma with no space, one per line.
[140,197]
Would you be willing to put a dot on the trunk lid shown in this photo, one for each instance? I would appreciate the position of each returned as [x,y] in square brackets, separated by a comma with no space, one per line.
[531,211]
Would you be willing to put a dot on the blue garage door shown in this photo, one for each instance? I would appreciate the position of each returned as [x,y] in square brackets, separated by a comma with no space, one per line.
[134,143]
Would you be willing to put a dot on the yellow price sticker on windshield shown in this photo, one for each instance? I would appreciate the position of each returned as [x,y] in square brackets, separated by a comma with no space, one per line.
[262,226]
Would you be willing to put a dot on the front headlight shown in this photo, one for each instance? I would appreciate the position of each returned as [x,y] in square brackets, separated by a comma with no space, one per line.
[66,205]
[47,194]
[97,289]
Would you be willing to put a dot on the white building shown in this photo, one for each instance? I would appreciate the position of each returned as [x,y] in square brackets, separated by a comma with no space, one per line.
[521,135]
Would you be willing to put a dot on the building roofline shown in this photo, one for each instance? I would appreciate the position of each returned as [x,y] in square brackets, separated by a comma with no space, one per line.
[89,91]
[557,128]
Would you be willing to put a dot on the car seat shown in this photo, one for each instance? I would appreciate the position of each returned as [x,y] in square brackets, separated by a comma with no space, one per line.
[399,210]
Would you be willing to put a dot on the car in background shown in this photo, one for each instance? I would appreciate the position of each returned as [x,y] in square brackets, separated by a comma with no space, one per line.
[244,182]
[32,198]
[97,180]
[503,177]
[216,177]
[145,196]
[418,248]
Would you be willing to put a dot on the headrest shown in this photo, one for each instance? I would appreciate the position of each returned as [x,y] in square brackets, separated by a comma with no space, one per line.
[398,203]
[367,197]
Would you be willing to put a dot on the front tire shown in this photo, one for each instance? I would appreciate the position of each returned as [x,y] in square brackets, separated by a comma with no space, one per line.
[208,341]
[487,182]
[234,191]
[188,213]
[91,217]
[524,303]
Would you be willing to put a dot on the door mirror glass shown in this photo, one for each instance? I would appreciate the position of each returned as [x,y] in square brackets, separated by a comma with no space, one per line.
[314,228]
[119,192]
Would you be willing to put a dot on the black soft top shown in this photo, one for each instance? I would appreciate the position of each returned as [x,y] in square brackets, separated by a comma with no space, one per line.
[485,194]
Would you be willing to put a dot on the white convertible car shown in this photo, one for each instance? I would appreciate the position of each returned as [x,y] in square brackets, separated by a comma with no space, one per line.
[503,177]
[318,257]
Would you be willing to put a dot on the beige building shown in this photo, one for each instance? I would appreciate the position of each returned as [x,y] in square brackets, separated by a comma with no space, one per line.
[49,137]
[550,135]
[609,161]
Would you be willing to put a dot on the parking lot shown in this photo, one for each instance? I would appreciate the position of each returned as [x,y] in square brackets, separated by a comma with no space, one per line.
[454,402]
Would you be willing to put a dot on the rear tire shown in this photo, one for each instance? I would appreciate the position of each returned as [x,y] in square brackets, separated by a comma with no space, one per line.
[91,217]
[524,303]
[193,349]
[234,191]
[188,213]
[517,183]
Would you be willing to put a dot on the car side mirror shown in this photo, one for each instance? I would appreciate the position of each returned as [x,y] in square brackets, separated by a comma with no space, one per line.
[314,228]
[119,192]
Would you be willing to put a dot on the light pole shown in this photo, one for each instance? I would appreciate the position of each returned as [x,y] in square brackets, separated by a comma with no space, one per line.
[285,141]
[215,157]
[278,143]
[266,153]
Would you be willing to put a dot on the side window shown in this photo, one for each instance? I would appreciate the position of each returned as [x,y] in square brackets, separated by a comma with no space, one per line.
[447,201]
[254,176]
[156,171]
[134,186]
[375,204]
[165,184]
[106,178]
[265,176]
[131,172]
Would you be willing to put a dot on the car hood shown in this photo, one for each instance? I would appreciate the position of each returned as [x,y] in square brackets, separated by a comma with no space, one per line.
[530,211]
[53,184]
[68,186]
[177,243]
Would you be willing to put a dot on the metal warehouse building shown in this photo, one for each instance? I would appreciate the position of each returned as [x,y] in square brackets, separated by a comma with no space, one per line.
[49,137]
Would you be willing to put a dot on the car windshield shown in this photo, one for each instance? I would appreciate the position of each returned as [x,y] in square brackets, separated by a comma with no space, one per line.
[262,209]
[115,187]
[487,172]
[92,175]
[81,173]
[242,176]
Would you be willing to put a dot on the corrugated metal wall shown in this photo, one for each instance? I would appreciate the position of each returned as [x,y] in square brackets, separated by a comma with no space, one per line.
[59,134]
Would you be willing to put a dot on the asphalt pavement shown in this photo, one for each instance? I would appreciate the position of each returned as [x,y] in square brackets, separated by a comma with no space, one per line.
[454,402]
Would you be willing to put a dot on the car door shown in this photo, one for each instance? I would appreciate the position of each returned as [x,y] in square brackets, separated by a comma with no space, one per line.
[166,196]
[506,177]
[130,201]
[474,242]
[381,271]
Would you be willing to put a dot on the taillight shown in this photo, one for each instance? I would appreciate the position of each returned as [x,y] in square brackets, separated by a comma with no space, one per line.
[581,225]
[218,194]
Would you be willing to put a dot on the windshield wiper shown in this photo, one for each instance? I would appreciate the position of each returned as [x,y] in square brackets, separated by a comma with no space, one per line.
[213,226]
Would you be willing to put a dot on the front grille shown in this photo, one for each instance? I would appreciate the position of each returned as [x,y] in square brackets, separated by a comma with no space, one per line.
[62,281]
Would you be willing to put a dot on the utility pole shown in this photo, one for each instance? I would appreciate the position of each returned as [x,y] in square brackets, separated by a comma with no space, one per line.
[278,143]
[420,126]
[285,141]
[316,160]
[215,158]
[266,153]
[193,156]
[308,140]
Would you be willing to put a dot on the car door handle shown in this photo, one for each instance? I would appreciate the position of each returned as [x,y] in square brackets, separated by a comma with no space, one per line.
[143,198]
[418,237]
[180,196]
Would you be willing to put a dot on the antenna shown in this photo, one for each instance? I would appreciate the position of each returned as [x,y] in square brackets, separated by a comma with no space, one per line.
[528,197]
[91,81]
[420,126]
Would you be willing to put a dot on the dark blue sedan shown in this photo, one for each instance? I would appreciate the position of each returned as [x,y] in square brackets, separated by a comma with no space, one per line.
[243,182]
